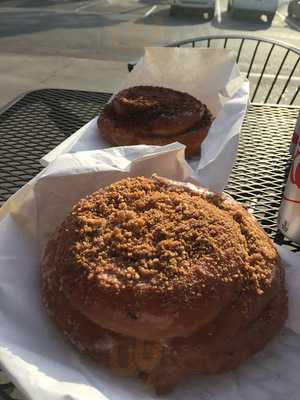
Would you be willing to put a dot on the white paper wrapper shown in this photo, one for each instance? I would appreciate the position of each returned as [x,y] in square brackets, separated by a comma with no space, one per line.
[34,353]
[212,76]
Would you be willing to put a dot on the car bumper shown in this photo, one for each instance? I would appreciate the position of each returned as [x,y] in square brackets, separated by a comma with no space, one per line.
[254,12]
[296,12]
[206,6]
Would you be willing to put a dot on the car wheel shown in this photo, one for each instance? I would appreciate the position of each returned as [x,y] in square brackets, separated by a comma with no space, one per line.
[233,13]
[211,13]
[270,17]
[173,11]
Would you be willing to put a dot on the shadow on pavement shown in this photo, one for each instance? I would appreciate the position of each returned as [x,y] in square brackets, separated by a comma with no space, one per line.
[14,24]
[37,3]
[154,2]
[243,23]
[163,17]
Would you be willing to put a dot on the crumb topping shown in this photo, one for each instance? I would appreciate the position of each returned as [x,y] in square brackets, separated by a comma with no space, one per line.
[143,233]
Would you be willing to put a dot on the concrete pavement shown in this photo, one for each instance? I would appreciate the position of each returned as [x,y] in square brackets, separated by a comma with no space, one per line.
[22,73]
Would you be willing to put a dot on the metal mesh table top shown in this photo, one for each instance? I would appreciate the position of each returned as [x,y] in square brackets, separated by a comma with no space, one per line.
[37,123]
[40,120]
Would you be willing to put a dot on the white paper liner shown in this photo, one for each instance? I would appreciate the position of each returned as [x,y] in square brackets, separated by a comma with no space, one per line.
[34,353]
[212,76]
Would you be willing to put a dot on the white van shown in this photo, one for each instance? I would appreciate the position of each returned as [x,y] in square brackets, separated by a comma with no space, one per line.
[203,6]
[266,7]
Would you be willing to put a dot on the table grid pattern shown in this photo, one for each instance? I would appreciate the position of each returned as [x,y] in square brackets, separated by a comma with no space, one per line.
[261,168]
[42,119]
[35,125]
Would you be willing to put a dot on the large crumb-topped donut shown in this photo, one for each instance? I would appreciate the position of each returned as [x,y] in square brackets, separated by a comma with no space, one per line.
[161,279]
[155,116]
[221,345]
[153,259]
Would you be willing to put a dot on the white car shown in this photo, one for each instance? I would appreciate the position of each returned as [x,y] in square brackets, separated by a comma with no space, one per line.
[203,6]
[266,7]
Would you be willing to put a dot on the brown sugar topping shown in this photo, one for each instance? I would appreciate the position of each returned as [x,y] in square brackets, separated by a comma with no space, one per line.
[148,102]
[159,100]
[142,233]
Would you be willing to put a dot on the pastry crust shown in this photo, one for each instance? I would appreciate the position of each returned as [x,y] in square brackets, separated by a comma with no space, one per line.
[152,260]
[221,346]
[186,271]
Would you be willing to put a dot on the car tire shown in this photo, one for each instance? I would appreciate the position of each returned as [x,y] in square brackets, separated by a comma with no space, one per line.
[233,13]
[270,17]
[173,11]
[211,13]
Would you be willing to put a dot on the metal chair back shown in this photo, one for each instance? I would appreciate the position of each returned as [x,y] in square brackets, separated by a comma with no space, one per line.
[272,67]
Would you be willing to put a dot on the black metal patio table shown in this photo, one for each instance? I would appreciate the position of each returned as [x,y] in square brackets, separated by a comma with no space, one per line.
[38,121]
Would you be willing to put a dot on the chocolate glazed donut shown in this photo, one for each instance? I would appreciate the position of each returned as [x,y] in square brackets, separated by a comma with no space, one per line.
[155,116]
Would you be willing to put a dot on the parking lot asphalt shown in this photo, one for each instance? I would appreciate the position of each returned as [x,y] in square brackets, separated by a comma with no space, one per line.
[86,44]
